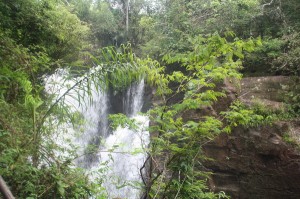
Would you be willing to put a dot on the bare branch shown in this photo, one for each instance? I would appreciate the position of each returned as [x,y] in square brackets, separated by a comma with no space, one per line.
[6,193]
[266,4]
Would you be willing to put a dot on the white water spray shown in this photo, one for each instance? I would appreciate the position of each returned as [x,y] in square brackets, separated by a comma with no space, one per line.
[121,150]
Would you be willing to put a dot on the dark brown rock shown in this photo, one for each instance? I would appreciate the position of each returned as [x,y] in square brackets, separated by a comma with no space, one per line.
[253,163]
[256,162]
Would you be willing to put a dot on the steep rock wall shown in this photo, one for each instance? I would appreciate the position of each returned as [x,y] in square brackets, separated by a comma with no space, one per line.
[256,162]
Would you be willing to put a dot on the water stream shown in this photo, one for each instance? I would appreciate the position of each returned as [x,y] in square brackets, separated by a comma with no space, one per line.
[119,154]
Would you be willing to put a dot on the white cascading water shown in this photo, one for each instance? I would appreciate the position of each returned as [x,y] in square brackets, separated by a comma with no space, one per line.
[122,151]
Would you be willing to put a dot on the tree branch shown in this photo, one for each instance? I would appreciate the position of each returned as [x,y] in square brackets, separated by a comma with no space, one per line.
[266,4]
[5,190]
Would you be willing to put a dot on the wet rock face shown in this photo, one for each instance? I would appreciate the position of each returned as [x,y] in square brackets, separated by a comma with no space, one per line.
[254,163]
[257,162]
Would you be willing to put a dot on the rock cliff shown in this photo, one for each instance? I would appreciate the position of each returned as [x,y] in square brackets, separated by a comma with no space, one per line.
[257,162]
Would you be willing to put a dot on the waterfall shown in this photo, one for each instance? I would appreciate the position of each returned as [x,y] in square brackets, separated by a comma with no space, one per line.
[127,158]
[120,153]
[133,101]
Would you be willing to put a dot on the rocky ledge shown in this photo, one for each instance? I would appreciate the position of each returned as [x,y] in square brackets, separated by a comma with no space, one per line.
[257,162]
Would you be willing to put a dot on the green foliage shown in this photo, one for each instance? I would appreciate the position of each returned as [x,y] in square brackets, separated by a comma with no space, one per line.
[30,169]
[146,25]
[262,58]
[277,56]
[65,33]
[104,23]
[120,67]
[37,37]
[239,114]
[46,29]
[179,138]
[237,16]
[122,121]
[287,60]
[29,152]
[292,98]
[101,19]
[188,19]
[34,35]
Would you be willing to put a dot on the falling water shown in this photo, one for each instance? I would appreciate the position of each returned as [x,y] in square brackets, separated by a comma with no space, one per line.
[127,158]
[122,150]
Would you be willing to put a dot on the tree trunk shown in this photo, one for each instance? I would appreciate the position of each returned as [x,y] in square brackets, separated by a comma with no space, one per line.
[5,190]
[127,17]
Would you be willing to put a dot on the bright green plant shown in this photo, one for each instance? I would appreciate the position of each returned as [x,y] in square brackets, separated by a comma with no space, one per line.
[31,165]
[175,152]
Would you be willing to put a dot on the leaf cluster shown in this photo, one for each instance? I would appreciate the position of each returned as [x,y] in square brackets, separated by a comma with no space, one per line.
[178,137]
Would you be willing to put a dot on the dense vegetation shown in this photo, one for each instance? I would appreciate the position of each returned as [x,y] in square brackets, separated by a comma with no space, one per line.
[195,41]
